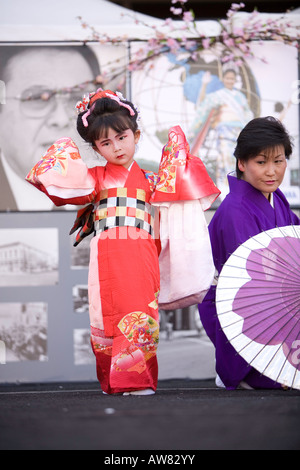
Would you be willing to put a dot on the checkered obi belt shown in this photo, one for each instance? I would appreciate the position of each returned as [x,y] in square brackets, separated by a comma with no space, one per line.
[124,207]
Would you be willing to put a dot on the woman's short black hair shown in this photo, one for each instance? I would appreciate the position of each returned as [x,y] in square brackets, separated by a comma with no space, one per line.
[260,134]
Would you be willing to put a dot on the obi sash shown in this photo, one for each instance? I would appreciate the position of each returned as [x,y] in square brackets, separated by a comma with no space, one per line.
[124,207]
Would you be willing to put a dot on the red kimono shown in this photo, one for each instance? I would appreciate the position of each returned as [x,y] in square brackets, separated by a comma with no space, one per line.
[124,274]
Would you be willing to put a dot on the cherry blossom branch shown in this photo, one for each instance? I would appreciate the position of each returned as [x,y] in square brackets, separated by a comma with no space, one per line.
[232,43]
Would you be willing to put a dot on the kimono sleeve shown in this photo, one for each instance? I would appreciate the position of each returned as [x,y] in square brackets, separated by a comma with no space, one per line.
[63,176]
[230,227]
[183,192]
[185,261]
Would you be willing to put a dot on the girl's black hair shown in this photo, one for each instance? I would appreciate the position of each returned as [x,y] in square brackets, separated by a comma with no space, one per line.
[106,113]
[261,134]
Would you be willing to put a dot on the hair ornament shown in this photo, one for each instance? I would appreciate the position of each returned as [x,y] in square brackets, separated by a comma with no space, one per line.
[88,102]
[114,96]
[82,105]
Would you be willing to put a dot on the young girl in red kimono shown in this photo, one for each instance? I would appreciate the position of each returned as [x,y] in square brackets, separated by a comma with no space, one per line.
[124,274]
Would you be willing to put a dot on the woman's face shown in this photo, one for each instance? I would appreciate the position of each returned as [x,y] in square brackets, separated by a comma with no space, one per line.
[266,171]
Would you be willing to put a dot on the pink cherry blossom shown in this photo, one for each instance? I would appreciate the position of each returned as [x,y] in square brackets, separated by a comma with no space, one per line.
[205,43]
[232,43]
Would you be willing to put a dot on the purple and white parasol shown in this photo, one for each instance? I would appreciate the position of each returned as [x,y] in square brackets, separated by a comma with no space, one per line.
[258,303]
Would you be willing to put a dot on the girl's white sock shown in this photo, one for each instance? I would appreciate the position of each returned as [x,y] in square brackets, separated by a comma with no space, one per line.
[146,391]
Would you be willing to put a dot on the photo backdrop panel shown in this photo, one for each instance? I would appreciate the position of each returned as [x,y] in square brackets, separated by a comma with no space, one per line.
[212,102]
[43,83]
[43,330]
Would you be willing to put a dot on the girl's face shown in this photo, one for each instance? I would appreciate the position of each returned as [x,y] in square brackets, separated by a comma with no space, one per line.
[265,172]
[229,80]
[118,148]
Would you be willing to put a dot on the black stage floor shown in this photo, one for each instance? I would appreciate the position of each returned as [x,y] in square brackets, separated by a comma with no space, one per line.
[184,415]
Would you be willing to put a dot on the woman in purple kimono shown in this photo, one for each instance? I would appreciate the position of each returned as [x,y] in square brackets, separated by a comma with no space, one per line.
[254,204]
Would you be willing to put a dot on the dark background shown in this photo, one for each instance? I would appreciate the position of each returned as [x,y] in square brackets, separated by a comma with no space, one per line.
[206,9]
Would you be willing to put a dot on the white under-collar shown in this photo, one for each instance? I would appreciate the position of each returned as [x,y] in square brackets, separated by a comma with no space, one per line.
[130,166]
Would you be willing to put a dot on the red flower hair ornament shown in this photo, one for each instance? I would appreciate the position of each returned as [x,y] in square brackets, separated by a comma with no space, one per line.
[88,102]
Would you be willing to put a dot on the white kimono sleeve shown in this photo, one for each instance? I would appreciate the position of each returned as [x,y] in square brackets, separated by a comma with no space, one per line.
[186,263]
